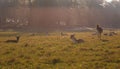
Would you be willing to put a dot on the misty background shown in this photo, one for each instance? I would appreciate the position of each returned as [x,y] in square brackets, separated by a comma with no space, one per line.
[49,15]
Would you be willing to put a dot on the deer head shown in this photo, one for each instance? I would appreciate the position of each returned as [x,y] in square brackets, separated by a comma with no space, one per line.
[17,38]
[72,36]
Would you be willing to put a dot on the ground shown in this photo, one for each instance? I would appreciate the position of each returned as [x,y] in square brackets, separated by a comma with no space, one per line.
[40,51]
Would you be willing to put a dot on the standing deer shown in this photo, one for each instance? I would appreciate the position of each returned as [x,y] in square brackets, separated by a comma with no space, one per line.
[99,31]
[72,37]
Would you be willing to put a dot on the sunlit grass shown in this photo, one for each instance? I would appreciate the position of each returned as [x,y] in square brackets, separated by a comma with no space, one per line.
[58,52]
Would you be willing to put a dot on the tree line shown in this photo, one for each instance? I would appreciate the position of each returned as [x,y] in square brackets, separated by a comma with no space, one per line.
[29,13]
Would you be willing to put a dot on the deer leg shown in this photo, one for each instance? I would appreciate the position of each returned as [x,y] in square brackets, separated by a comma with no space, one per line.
[99,36]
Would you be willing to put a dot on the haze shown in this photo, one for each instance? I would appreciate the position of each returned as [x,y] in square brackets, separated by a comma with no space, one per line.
[52,15]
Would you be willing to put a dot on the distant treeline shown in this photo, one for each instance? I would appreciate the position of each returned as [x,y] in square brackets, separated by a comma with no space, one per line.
[57,14]
[56,3]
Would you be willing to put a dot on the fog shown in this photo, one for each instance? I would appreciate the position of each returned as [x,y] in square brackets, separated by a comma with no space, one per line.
[55,15]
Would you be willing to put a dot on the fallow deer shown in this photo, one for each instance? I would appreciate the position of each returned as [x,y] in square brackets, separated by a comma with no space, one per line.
[72,37]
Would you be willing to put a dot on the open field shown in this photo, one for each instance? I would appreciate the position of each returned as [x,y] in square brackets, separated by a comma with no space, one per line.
[39,51]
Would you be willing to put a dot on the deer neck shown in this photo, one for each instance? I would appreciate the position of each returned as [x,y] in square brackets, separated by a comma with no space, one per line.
[17,39]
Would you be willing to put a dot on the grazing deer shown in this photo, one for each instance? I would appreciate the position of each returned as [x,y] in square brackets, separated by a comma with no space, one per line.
[99,31]
[72,37]
[14,41]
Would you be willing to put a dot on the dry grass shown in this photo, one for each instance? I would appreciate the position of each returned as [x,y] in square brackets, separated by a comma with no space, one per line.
[58,52]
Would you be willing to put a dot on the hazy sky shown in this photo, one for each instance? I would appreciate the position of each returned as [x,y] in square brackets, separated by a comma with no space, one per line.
[111,0]
[108,0]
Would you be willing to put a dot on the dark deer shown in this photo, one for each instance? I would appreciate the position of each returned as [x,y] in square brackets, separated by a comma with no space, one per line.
[72,37]
[99,31]
[13,41]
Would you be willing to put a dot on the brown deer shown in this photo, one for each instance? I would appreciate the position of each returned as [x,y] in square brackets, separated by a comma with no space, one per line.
[99,31]
[72,37]
[13,41]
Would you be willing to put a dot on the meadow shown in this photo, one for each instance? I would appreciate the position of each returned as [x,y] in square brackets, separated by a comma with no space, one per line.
[53,51]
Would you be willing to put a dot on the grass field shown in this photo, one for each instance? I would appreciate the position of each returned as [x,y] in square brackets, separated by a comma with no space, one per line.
[53,51]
